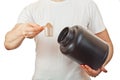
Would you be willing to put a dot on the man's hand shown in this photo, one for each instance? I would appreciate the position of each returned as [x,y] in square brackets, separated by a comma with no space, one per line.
[93,72]
[15,37]
[30,30]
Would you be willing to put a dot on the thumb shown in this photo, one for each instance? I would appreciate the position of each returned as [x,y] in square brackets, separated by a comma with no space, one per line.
[103,69]
[41,28]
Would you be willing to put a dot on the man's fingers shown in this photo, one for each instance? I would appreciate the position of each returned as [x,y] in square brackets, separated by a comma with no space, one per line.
[41,28]
[36,27]
[104,70]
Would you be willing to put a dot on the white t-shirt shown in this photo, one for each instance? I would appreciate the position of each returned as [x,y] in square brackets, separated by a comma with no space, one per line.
[51,64]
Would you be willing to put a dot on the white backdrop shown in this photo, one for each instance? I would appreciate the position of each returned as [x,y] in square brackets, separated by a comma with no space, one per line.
[18,64]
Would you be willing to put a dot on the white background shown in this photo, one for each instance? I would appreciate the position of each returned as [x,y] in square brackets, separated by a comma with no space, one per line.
[18,64]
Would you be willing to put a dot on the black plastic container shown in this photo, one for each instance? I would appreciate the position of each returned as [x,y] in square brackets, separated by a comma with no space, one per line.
[83,47]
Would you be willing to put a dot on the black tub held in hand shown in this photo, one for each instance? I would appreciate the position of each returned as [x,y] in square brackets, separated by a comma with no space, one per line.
[83,47]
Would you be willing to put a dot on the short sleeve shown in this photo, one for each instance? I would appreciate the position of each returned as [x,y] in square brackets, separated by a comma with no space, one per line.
[96,24]
[25,16]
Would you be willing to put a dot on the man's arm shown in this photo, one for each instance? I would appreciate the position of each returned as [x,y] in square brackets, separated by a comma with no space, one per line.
[15,37]
[104,36]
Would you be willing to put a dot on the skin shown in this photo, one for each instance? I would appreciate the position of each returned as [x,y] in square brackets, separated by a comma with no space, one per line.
[15,37]
[104,36]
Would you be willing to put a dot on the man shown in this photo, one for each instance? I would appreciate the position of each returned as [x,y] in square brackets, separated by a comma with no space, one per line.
[50,63]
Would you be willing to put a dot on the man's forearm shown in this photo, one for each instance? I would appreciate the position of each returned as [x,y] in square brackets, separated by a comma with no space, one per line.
[13,38]
[110,54]
[105,36]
